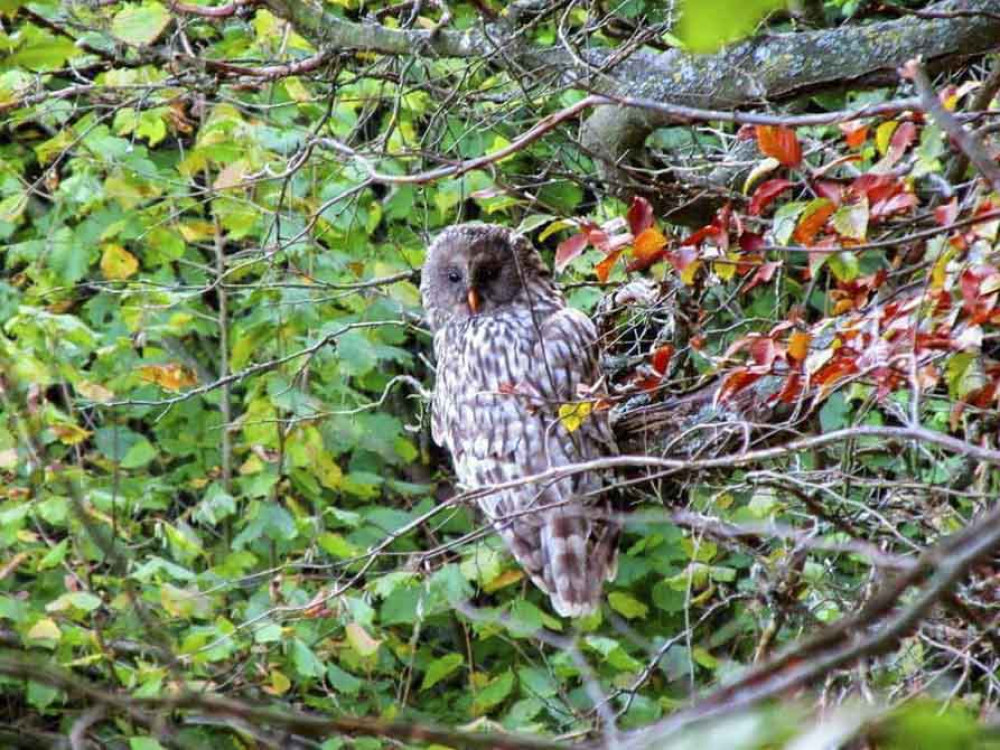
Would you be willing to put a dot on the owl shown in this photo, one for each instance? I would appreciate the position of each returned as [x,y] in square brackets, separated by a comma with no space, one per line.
[515,366]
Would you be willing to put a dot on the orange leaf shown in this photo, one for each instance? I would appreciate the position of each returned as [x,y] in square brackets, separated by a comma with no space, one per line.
[812,220]
[603,269]
[779,142]
[798,345]
[171,377]
[855,133]
[648,244]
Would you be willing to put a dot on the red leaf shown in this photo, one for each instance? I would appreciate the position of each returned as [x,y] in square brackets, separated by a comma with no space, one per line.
[640,215]
[897,204]
[735,382]
[791,390]
[766,193]
[901,140]
[763,352]
[682,259]
[969,282]
[569,249]
[830,190]
[597,237]
[779,142]
[763,275]
[661,358]
[946,214]
[751,242]
[603,269]
[697,236]
[648,383]
[875,187]
[833,372]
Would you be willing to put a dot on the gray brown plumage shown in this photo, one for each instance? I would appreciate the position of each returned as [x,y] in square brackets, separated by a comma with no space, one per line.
[509,353]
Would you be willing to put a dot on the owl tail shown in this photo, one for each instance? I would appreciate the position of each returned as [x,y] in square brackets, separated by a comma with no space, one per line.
[579,555]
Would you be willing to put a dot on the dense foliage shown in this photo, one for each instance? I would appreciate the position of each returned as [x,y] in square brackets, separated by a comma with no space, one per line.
[218,478]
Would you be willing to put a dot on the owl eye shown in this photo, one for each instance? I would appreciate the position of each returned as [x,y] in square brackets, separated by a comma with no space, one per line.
[454,276]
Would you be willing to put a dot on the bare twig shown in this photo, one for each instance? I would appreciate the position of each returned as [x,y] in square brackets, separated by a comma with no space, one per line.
[967,141]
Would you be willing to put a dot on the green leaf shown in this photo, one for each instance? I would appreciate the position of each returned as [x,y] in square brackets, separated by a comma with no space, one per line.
[337,546]
[844,265]
[307,664]
[626,605]
[706,25]
[140,24]
[360,641]
[441,668]
[494,693]
[144,743]
[40,50]
[41,696]
[851,219]
[81,600]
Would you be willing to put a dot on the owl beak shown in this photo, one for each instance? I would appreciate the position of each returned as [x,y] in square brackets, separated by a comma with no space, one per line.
[473,299]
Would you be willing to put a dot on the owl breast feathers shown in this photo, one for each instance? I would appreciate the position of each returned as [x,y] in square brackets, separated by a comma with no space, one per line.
[509,355]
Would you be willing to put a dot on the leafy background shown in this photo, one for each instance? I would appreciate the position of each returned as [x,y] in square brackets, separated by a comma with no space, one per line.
[217,470]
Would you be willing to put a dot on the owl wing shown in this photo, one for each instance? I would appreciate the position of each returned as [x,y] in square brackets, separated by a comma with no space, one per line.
[567,357]
[578,539]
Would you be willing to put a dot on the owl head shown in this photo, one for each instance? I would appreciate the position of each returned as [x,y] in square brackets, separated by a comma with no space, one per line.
[480,269]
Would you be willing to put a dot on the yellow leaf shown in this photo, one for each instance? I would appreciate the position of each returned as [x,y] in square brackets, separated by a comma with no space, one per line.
[231,175]
[70,434]
[504,579]
[360,641]
[328,472]
[93,391]
[688,274]
[572,415]
[196,230]
[726,269]
[172,377]
[117,263]
[883,135]
[764,167]
[279,683]
[44,630]
[296,89]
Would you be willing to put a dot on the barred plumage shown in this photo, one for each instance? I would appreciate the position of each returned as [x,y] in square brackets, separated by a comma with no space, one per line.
[509,353]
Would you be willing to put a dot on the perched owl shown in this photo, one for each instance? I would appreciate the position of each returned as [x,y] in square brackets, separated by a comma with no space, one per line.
[509,354]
